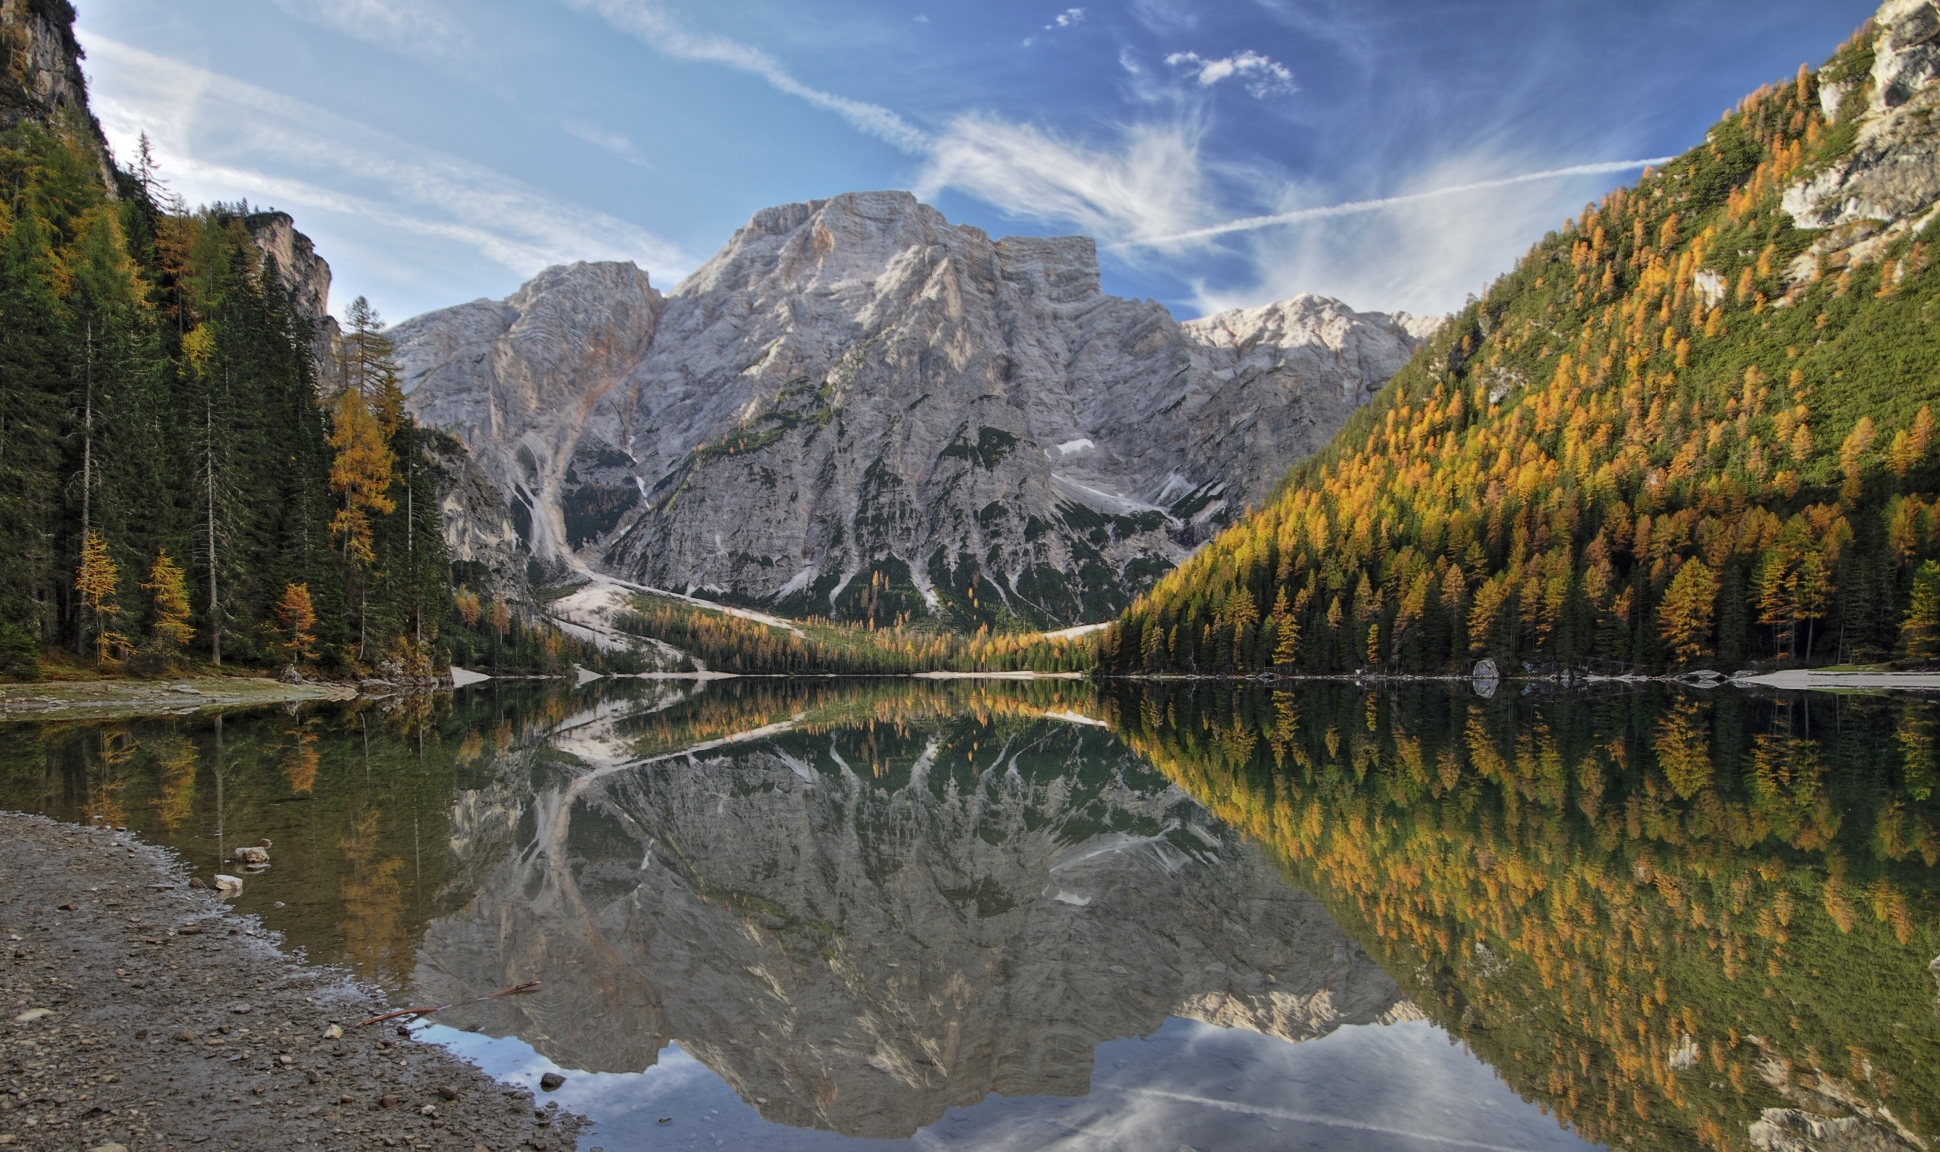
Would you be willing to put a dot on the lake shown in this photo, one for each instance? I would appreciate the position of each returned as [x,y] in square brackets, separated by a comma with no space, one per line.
[816,914]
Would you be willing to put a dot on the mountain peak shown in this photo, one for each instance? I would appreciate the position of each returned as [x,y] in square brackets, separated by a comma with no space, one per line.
[857,408]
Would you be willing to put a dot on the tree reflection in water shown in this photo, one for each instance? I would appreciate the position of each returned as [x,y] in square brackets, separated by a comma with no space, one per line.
[1673,918]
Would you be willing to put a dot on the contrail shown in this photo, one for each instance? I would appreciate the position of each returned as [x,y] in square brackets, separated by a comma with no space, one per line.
[1299,215]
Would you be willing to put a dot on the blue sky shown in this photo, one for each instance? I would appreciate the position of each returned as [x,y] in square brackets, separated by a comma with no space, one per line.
[442,150]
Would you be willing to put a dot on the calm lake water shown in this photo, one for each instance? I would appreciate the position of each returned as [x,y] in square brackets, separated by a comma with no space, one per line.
[821,914]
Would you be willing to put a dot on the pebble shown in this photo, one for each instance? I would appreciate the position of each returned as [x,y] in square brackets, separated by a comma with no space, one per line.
[551,1081]
[33,1014]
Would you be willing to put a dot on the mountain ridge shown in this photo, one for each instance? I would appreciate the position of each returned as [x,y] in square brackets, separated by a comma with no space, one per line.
[860,410]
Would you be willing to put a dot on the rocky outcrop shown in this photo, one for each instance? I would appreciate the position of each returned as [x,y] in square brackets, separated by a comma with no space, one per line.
[862,926]
[857,408]
[516,381]
[1829,1115]
[40,75]
[1889,182]
[305,276]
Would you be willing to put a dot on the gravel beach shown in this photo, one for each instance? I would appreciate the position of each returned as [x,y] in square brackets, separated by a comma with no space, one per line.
[140,1013]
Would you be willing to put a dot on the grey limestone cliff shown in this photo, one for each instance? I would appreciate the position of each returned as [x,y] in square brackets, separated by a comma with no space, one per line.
[857,408]
[1888,183]
[40,76]
[305,276]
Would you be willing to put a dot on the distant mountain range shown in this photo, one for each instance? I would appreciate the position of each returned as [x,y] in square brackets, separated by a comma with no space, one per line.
[857,409]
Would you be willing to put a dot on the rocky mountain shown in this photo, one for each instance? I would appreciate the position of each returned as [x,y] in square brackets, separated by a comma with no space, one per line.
[1887,184]
[40,75]
[862,925]
[859,409]
[305,275]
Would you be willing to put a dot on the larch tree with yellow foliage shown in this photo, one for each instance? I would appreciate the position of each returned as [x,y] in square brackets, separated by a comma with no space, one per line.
[296,620]
[96,581]
[170,632]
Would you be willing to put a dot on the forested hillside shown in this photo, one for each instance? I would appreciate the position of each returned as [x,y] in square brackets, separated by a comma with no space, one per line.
[1694,427]
[177,485]
[171,481]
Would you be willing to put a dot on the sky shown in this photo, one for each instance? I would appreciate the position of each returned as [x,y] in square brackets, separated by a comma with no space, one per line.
[1396,154]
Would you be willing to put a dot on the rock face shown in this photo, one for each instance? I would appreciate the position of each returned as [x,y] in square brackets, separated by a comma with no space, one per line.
[856,408]
[861,927]
[305,275]
[40,75]
[1890,181]
[40,70]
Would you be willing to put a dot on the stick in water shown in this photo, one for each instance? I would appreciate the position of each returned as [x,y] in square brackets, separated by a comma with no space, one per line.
[525,987]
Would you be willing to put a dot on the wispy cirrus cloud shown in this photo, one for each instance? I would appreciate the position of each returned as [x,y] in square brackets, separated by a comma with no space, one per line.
[220,138]
[1150,184]
[1381,203]
[1421,250]
[658,28]
[423,28]
[1153,198]
[1147,185]
[606,141]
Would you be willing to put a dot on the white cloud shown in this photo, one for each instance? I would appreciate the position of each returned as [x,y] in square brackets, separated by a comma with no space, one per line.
[1165,16]
[1262,75]
[220,138]
[1066,19]
[652,24]
[422,28]
[1150,185]
[600,138]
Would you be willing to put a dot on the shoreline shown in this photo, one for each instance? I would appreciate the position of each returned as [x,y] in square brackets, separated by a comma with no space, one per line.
[147,1014]
[128,698]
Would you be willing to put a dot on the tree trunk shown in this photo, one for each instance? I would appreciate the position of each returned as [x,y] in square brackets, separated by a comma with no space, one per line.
[87,473]
[209,460]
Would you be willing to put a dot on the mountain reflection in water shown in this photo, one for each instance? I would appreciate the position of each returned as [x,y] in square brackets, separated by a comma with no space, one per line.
[895,901]
[791,914]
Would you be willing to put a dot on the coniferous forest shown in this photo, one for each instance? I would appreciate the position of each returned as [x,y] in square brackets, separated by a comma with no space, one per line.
[1671,438]
[183,477]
